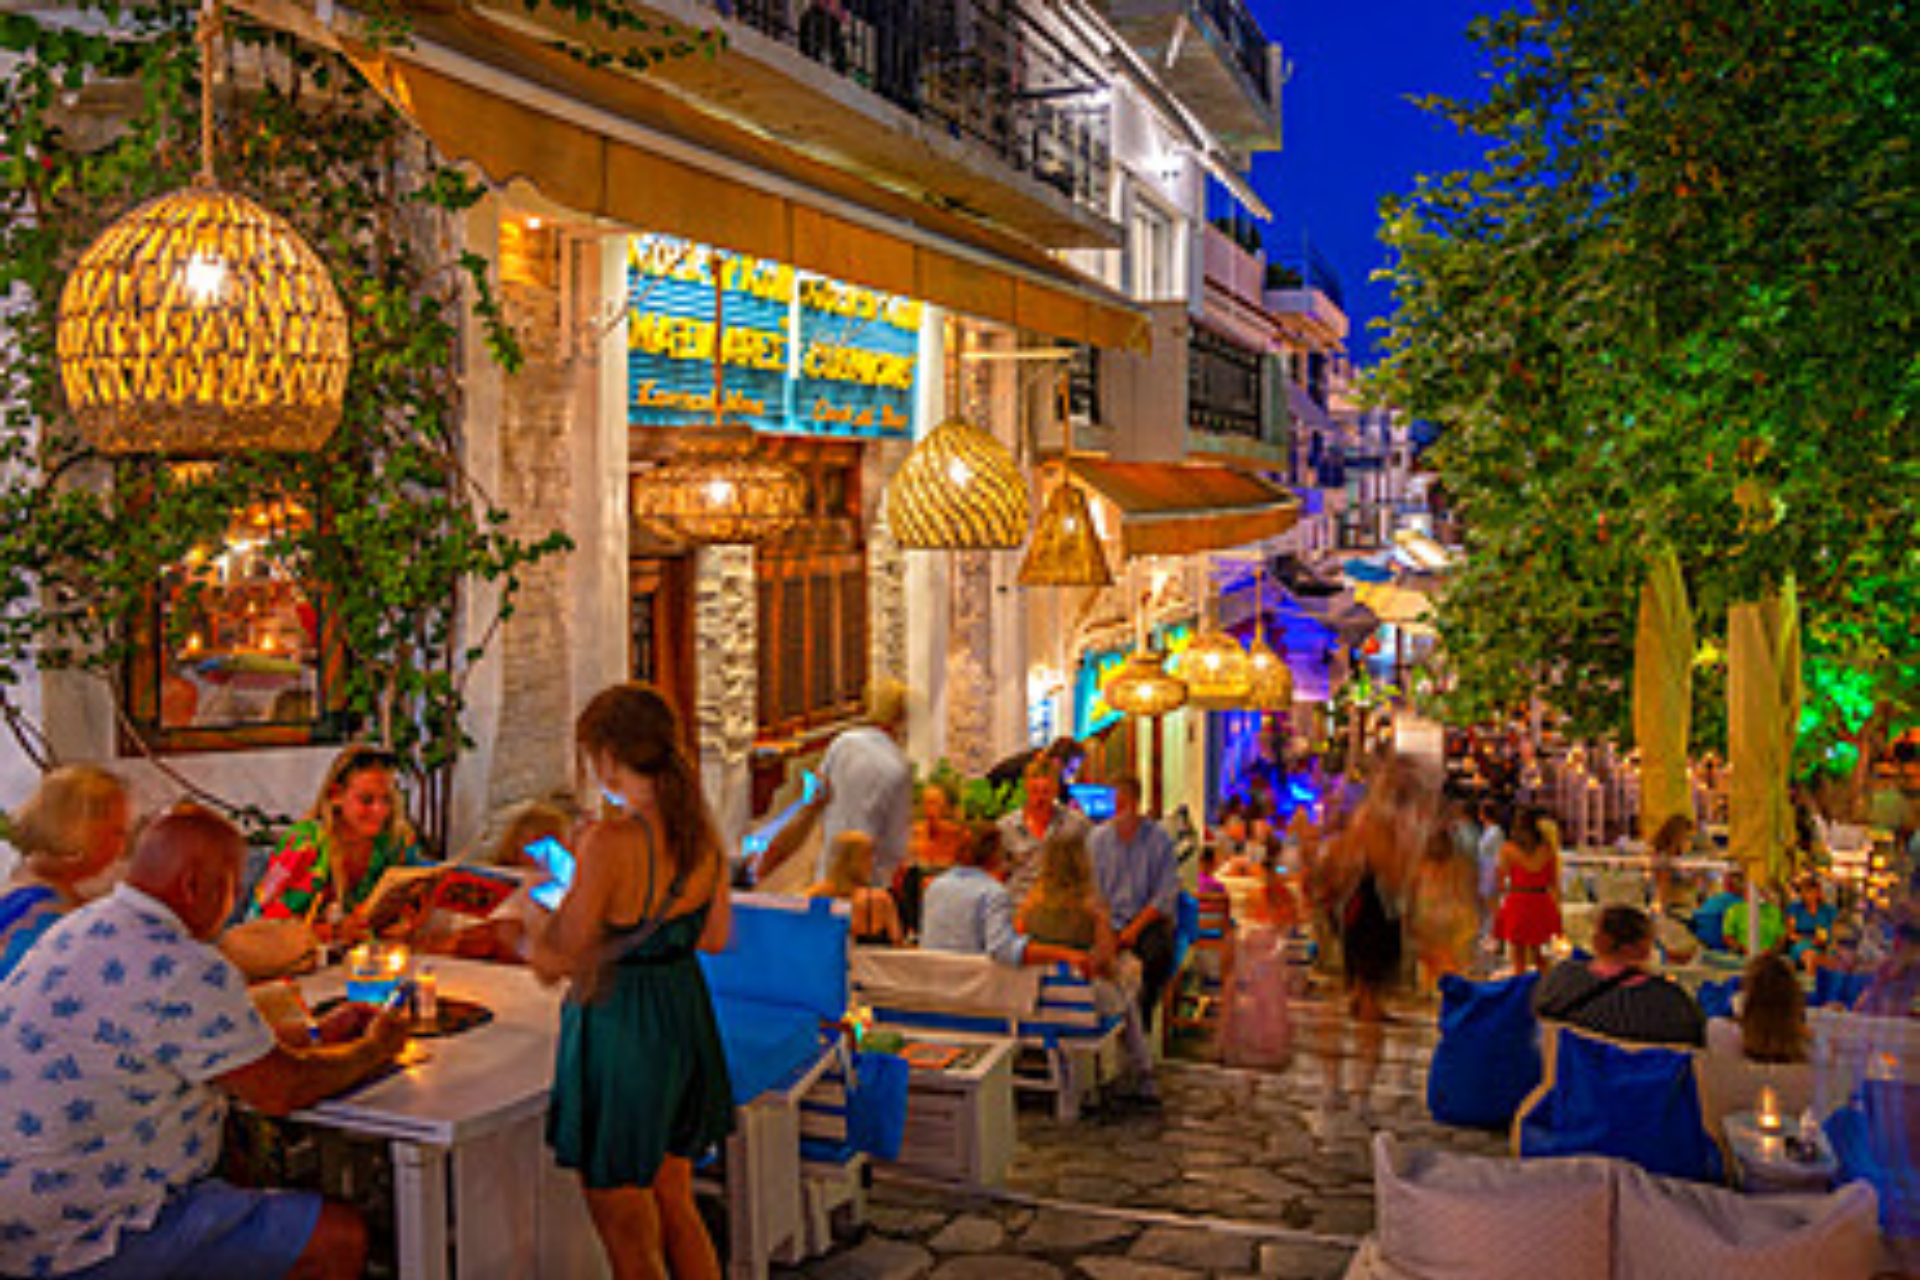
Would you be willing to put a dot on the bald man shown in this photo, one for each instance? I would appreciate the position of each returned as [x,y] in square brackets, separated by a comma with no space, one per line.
[122,1037]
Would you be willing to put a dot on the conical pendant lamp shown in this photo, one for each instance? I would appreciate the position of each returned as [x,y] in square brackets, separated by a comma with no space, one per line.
[202,324]
[1269,679]
[1066,550]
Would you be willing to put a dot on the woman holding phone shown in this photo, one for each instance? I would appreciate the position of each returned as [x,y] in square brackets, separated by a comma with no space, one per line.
[640,1084]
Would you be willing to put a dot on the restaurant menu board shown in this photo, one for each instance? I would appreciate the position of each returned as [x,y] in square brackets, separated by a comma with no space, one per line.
[804,355]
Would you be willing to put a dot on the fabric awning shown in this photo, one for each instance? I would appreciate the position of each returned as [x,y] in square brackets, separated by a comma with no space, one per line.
[1178,509]
[613,146]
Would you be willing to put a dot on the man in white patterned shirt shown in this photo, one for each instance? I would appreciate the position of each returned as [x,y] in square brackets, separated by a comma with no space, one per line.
[122,1034]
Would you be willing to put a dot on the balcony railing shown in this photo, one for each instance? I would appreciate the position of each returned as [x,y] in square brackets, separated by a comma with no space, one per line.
[1242,35]
[993,76]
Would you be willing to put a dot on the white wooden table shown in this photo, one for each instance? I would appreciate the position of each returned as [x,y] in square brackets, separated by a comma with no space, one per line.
[1764,1165]
[960,1121]
[476,1193]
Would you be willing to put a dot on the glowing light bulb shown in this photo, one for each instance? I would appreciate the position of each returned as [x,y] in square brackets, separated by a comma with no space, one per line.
[960,473]
[719,492]
[205,278]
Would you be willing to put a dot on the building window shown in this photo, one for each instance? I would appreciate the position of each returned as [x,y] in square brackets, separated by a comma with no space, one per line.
[236,649]
[812,597]
[1154,252]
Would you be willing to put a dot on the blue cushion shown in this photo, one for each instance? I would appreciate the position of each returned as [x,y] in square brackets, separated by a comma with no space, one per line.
[1186,928]
[1716,998]
[1875,1140]
[1488,1058]
[784,951]
[767,1044]
[1836,986]
[1635,1103]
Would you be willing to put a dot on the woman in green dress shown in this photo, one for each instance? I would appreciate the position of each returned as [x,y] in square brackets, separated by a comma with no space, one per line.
[640,1085]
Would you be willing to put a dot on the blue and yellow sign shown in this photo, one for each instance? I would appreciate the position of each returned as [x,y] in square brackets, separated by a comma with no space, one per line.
[803,354]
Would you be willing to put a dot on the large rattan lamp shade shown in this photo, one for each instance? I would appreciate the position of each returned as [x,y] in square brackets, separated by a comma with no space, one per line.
[1142,686]
[1066,550]
[959,490]
[1269,682]
[202,324]
[1216,670]
[717,488]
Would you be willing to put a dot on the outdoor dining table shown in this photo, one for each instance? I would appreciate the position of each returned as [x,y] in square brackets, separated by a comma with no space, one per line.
[476,1192]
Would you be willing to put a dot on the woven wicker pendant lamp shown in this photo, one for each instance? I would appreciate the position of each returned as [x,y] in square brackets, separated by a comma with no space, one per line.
[1066,550]
[1143,687]
[1215,669]
[718,488]
[1269,679]
[959,489]
[200,323]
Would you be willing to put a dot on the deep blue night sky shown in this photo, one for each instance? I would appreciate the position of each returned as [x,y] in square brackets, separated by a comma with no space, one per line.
[1352,135]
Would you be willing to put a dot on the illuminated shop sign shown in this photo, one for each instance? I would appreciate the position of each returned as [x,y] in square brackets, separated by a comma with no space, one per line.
[804,354]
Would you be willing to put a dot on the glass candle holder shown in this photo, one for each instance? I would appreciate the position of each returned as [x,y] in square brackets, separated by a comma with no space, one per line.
[374,970]
[1766,1110]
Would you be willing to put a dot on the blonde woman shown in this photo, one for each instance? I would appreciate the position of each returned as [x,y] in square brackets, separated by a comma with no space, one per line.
[355,832]
[72,828]
[1064,907]
[876,921]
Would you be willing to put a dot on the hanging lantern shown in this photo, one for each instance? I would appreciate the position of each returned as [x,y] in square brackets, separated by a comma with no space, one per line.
[718,489]
[200,323]
[1142,686]
[1066,550]
[959,490]
[1269,680]
[1216,671]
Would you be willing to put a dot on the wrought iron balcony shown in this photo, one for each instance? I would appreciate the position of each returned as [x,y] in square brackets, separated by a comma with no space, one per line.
[991,75]
[1244,39]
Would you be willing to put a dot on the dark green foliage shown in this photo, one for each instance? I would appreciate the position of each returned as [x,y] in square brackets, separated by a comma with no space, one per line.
[1675,305]
[403,532]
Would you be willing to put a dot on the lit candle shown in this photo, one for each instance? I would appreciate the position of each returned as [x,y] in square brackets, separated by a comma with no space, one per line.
[1767,1109]
[427,990]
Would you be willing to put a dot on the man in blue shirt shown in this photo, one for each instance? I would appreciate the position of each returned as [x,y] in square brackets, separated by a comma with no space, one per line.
[1139,877]
[968,910]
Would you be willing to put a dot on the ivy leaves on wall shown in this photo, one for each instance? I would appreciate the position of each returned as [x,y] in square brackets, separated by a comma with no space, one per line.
[98,116]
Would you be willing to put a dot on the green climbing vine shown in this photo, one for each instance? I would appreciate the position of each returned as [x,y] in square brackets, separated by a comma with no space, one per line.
[97,113]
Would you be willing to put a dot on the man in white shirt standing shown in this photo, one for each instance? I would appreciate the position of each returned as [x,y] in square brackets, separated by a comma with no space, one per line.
[866,786]
[124,1034]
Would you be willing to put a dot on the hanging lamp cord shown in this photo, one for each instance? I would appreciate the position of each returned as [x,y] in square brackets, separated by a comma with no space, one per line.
[213,22]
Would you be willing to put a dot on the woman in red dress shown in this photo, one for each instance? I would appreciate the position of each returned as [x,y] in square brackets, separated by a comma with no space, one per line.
[1530,911]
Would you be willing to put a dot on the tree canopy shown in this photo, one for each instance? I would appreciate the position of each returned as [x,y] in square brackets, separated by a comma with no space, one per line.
[1674,305]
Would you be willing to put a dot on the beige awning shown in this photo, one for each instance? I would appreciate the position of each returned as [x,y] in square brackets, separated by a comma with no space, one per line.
[613,146]
[1178,509]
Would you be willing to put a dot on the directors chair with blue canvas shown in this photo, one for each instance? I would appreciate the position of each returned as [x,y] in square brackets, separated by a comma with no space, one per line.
[780,995]
[1601,1097]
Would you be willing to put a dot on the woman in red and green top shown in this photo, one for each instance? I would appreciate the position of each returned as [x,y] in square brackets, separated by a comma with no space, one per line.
[353,835]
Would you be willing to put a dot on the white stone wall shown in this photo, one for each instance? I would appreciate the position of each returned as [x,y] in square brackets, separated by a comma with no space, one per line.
[727,633]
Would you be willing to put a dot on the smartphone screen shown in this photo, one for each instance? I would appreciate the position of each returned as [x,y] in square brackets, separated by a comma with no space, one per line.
[557,861]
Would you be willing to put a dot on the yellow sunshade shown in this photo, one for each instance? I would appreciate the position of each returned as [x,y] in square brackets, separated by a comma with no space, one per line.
[1763,712]
[1178,509]
[1663,695]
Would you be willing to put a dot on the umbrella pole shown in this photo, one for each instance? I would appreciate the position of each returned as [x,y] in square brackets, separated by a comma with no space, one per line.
[1753,914]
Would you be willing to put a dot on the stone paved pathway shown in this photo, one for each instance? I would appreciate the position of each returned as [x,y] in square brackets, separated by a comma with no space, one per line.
[1241,1173]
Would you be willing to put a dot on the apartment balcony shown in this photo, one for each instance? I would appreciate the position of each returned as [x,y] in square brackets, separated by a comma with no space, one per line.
[1215,58]
[987,113]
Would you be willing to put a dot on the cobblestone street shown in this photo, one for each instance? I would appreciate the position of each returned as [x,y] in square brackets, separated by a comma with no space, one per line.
[1240,1173]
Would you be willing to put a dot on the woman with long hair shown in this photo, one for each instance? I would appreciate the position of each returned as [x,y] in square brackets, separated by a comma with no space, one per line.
[1064,906]
[73,828]
[357,830]
[640,1087]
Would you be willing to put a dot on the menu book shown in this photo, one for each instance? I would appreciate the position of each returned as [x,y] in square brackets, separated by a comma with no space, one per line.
[406,896]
